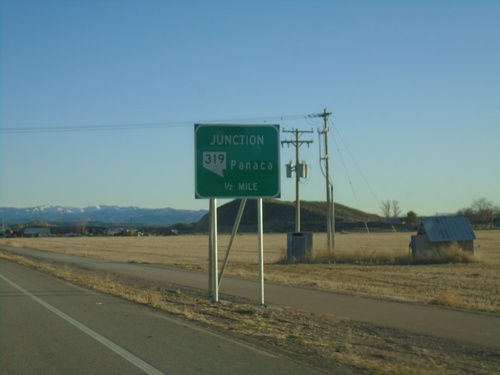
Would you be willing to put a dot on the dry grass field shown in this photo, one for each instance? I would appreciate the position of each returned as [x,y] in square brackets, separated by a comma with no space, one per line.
[375,265]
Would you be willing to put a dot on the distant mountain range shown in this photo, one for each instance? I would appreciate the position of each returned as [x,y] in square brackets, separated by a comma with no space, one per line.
[279,217]
[102,214]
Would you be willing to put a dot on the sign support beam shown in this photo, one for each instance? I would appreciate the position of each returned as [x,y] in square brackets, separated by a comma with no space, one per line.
[213,280]
[261,248]
[233,234]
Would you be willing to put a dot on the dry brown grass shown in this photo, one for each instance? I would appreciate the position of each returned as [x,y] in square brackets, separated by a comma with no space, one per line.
[367,264]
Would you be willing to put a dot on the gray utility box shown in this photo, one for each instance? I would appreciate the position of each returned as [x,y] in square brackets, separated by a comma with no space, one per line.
[300,245]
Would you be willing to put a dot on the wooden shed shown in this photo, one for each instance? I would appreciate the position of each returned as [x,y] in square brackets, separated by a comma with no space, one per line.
[439,232]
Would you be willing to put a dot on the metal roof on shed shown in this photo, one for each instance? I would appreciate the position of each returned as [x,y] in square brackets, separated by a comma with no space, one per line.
[447,228]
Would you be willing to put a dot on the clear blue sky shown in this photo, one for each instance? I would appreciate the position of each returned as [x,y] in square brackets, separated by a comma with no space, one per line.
[413,87]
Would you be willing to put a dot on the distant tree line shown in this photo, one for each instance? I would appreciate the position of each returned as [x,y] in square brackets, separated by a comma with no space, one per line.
[390,209]
[482,212]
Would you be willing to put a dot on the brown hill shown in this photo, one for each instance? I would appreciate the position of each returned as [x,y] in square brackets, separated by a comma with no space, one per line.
[279,216]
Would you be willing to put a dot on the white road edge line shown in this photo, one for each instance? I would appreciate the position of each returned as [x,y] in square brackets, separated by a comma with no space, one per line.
[146,367]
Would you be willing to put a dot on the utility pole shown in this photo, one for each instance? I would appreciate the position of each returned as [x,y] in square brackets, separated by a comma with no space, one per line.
[301,169]
[330,210]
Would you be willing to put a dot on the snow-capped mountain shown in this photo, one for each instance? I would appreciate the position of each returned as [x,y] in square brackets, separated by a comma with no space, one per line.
[103,214]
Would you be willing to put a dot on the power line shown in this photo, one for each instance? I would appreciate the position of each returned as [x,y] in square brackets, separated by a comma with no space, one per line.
[141,126]
[356,164]
[107,127]
[347,174]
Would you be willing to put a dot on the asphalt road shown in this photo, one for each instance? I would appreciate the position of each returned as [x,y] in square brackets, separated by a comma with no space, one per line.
[475,328]
[48,326]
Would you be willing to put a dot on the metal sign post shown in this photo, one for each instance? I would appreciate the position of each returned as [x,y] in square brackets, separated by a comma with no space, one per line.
[261,249]
[214,285]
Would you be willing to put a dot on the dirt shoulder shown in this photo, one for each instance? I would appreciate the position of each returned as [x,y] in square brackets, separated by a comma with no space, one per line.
[323,341]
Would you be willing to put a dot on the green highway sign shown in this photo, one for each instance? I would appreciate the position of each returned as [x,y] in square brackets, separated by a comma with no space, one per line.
[237,161]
